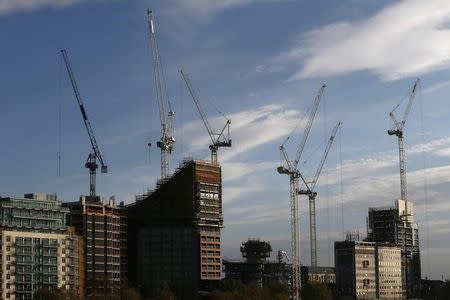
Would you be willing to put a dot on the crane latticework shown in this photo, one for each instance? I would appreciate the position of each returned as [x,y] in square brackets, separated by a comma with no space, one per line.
[398,131]
[167,141]
[95,154]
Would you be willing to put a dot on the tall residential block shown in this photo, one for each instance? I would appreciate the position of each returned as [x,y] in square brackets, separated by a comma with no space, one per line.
[368,270]
[38,250]
[103,227]
[395,225]
[174,232]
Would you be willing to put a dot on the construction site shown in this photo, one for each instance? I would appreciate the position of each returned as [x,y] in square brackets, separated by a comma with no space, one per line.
[169,240]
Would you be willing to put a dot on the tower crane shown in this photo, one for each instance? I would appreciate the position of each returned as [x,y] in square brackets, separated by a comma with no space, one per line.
[311,193]
[95,154]
[398,131]
[218,139]
[290,168]
[167,141]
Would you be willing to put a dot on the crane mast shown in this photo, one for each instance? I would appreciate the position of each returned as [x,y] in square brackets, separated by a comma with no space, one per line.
[95,154]
[217,139]
[311,193]
[290,168]
[398,131]
[167,141]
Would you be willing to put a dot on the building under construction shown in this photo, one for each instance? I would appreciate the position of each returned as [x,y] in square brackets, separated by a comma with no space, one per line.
[255,267]
[396,225]
[174,232]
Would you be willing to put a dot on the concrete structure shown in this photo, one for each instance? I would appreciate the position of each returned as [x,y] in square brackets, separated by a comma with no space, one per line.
[367,270]
[389,272]
[38,250]
[103,228]
[324,275]
[174,232]
[396,226]
[256,267]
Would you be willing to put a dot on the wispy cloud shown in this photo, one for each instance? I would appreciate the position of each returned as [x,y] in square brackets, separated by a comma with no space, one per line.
[13,6]
[250,129]
[407,38]
[209,8]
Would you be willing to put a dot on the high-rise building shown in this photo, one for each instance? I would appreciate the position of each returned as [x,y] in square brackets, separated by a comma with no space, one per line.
[103,227]
[38,250]
[395,225]
[174,232]
[368,270]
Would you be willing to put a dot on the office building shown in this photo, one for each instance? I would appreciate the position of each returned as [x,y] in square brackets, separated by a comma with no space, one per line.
[103,228]
[396,225]
[38,250]
[174,232]
[368,270]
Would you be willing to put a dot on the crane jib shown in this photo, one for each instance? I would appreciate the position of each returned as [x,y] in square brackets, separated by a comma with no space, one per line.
[83,112]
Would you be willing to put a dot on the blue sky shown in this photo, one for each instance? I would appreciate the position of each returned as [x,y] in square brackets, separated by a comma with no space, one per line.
[259,62]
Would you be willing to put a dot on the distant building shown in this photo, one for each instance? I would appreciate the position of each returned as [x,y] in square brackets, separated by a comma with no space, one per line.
[324,275]
[103,228]
[368,270]
[256,267]
[174,232]
[38,250]
[395,225]
[389,273]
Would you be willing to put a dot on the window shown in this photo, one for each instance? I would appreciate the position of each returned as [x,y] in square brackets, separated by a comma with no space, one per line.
[365,263]
[366,282]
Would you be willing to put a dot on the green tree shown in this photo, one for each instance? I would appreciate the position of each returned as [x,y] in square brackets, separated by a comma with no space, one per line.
[316,291]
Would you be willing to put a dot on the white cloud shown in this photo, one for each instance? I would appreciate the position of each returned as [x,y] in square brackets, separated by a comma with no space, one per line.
[249,130]
[209,8]
[443,152]
[407,38]
[12,6]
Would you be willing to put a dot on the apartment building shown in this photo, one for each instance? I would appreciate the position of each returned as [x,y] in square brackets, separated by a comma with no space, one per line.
[38,250]
[103,228]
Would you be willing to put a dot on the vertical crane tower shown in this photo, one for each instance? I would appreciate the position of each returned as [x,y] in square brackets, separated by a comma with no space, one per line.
[398,131]
[95,154]
[218,139]
[290,168]
[311,193]
[167,141]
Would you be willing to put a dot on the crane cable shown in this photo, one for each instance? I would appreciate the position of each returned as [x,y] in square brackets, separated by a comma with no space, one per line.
[327,191]
[60,115]
[425,183]
[341,183]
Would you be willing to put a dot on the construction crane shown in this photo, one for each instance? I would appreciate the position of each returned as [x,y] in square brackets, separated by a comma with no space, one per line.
[95,154]
[290,168]
[218,139]
[398,130]
[167,141]
[311,193]
[280,255]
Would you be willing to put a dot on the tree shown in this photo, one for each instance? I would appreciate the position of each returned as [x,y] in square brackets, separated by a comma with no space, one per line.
[55,294]
[253,291]
[278,290]
[316,291]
